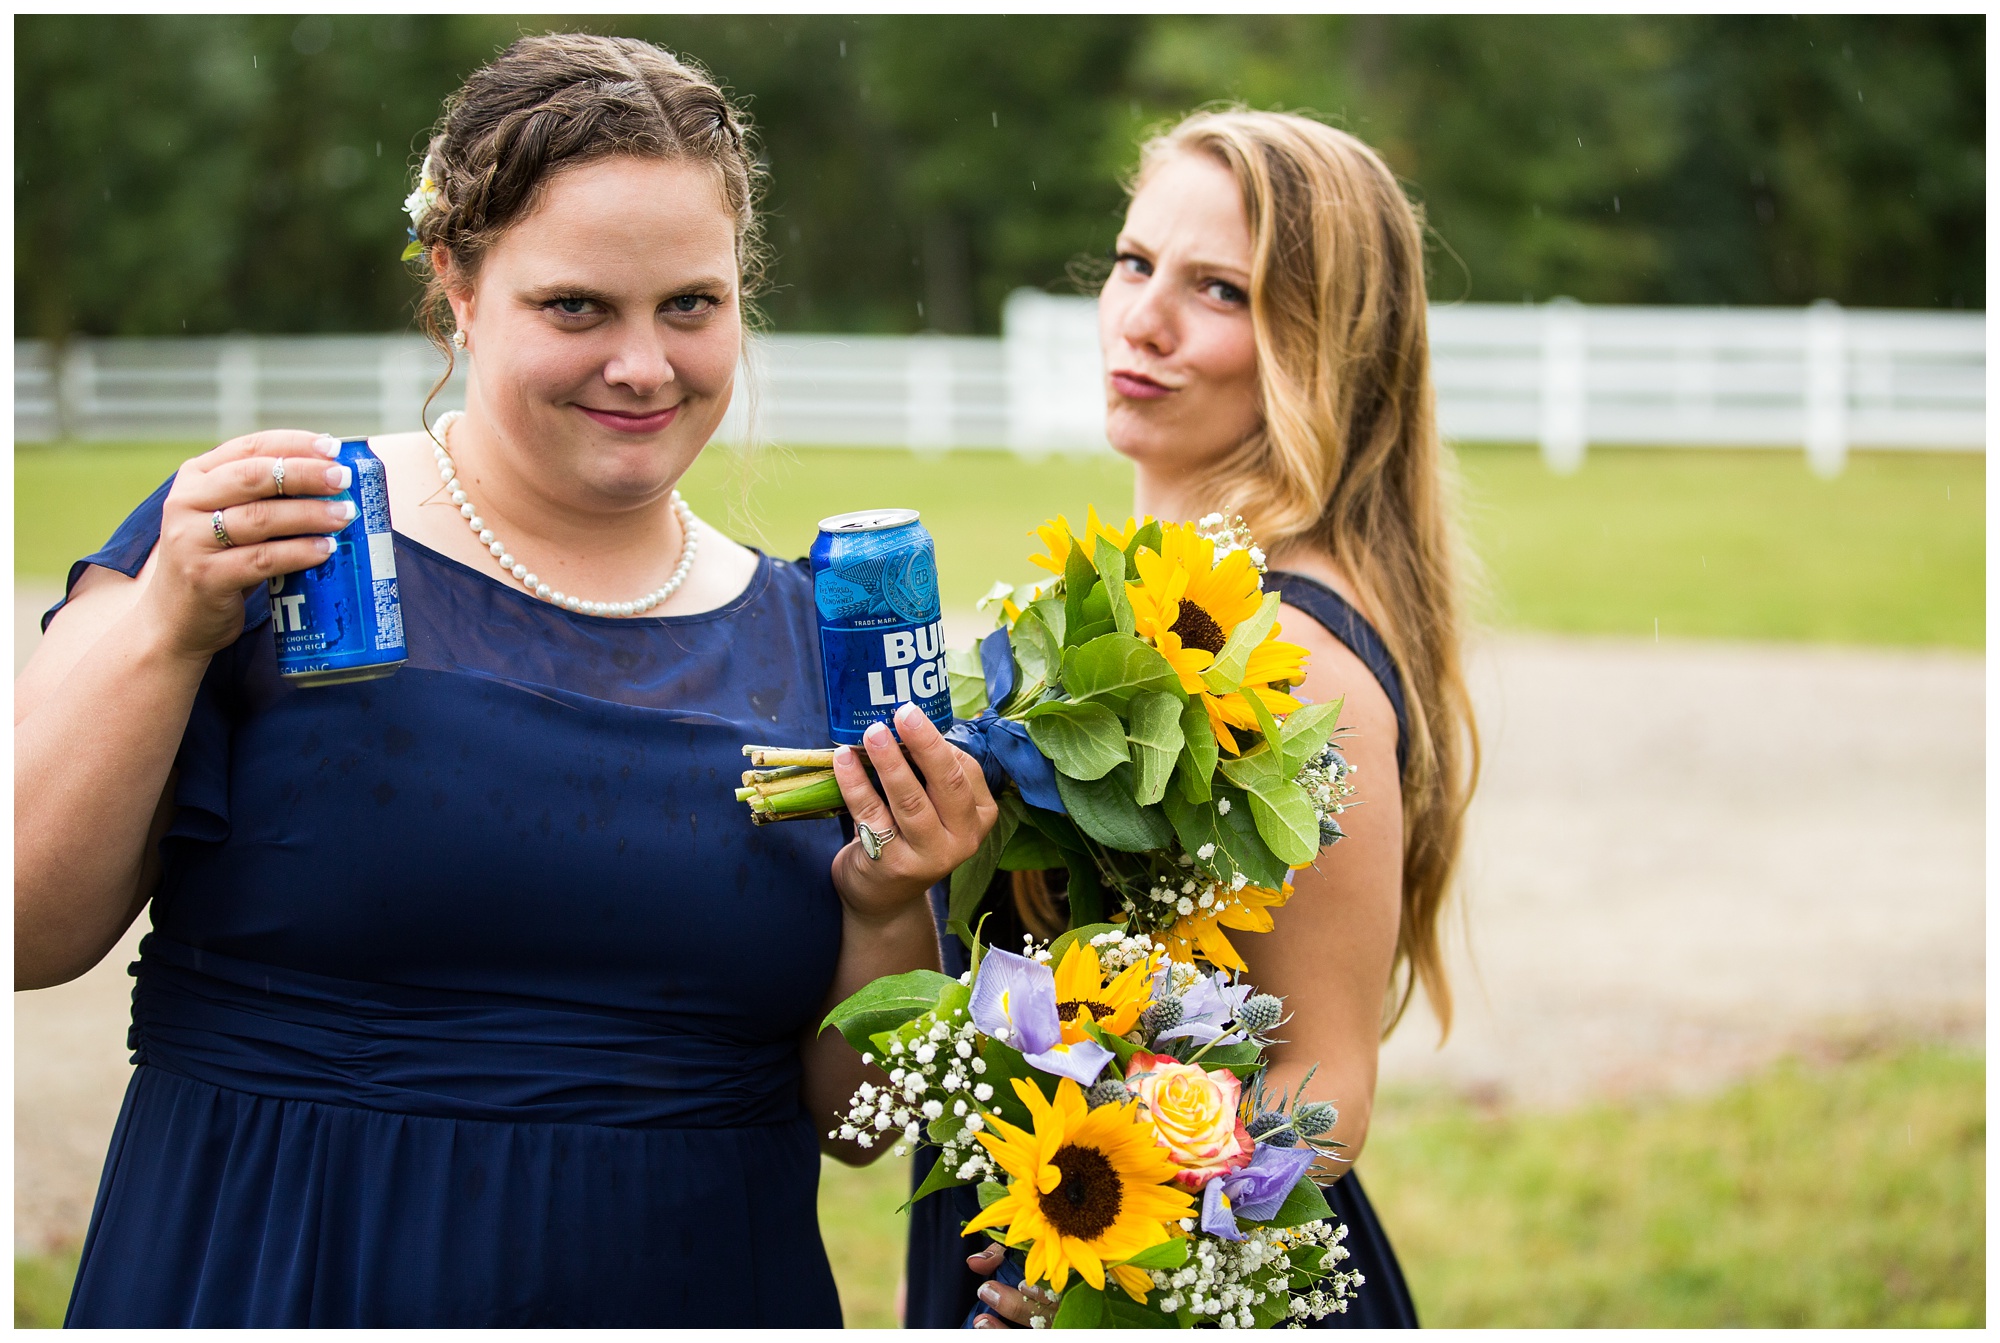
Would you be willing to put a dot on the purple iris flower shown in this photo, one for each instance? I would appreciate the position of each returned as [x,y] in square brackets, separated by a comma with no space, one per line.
[1014,1001]
[1206,1008]
[1254,1193]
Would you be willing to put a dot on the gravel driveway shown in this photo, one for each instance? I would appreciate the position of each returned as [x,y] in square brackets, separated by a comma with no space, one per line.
[1685,860]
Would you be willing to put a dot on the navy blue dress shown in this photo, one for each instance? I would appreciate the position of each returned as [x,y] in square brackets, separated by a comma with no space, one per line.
[472,997]
[941,1289]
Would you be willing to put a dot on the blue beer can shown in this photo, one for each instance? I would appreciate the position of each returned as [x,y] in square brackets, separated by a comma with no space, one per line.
[881,635]
[342,621]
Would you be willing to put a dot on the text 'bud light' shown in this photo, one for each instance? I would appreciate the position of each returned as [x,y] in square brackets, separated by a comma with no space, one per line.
[342,620]
[881,637]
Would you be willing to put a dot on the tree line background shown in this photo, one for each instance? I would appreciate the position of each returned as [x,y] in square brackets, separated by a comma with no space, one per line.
[210,174]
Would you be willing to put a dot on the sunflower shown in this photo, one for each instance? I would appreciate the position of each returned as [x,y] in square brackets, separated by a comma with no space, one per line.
[1082,996]
[1056,537]
[1187,604]
[1086,1187]
[1200,933]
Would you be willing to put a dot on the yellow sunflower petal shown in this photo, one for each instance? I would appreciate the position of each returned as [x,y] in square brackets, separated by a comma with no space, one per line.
[1217,722]
[1136,1281]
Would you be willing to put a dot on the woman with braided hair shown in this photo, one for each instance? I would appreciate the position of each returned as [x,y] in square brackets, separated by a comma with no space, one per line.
[472,998]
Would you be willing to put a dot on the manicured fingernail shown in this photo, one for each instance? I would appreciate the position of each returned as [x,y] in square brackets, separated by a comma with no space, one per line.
[331,543]
[875,731]
[326,446]
[843,754]
[338,477]
[990,1294]
[343,511]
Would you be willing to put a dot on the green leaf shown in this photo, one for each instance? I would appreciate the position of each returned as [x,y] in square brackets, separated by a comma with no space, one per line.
[1117,1044]
[941,1177]
[1125,1313]
[1238,845]
[887,1003]
[413,251]
[1001,592]
[1083,740]
[1284,815]
[1086,892]
[1038,644]
[1225,675]
[1082,1308]
[1155,740]
[1267,1313]
[991,1192]
[1148,536]
[1104,810]
[1083,933]
[975,874]
[1095,629]
[1111,569]
[1030,851]
[968,681]
[945,1127]
[1196,765]
[1079,580]
[1267,725]
[1245,1060]
[1056,616]
[1167,1254]
[1306,731]
[1003,1064]
[1112,668]
[1304,1204]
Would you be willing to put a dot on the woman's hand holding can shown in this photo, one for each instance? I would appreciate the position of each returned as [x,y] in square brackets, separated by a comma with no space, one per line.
[922,828]
[234,519]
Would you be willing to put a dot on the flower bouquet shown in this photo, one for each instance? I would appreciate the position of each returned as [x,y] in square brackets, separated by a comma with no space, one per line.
[1113,1112]
[1134,716]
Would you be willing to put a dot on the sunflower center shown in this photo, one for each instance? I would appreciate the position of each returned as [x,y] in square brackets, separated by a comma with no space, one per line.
[1067,1011]
[1086,1203]
[1198,629]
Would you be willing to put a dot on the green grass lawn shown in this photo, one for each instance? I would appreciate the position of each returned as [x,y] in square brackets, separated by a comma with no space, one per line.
[1707,544]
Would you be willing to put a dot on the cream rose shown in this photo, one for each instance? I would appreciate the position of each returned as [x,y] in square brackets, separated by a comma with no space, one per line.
[1195,1114]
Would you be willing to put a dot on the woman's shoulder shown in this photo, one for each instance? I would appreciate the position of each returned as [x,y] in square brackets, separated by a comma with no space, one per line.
[1347,659]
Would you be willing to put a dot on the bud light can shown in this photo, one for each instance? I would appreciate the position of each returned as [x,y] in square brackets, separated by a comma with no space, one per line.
[881,636]
[342,621]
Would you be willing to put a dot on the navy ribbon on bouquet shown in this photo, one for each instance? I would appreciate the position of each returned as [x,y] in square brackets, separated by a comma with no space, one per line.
[1001,745]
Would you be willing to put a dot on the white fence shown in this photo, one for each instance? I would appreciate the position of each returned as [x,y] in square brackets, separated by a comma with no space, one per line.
[1560,374]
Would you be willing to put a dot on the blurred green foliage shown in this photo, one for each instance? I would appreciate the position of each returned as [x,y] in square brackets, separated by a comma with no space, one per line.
[217,173]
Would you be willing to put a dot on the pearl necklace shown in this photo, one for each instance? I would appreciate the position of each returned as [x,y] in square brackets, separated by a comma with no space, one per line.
[690,543]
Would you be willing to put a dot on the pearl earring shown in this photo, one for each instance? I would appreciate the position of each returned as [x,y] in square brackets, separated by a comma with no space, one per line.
[458,340]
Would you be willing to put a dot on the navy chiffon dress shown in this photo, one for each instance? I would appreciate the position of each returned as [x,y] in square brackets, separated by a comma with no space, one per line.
[472,997]
[941,1291]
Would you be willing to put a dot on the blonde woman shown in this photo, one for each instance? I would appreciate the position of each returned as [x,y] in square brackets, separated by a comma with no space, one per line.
[1264,344]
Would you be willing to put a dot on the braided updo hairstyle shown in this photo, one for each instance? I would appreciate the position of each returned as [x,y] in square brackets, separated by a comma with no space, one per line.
[557,101]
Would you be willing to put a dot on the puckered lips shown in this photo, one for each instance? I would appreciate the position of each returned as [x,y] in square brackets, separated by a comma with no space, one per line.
[1136,386]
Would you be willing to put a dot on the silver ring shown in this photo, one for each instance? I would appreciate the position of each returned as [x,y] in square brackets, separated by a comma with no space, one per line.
[221,532]
[278,475]
[872,840]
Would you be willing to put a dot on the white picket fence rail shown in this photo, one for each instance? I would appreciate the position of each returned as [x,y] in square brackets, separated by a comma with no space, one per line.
[1560,374]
